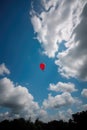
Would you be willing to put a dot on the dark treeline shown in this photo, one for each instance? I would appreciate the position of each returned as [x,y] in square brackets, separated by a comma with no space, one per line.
[79,120]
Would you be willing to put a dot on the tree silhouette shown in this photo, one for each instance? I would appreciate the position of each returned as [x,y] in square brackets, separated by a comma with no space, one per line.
[79,120]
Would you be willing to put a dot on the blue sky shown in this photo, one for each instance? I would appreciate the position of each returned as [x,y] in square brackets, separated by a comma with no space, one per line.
[32,32]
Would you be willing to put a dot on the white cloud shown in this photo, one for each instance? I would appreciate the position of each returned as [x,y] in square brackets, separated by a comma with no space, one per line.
[58,101]
[4,116]
[73,61]
[43,115]
[20,103]
[62,87]
[36,22]
[49,3]
[84,93]
[65,115]
[84,107]
[9,116]
[17,99]
[3,69]
[56,22]
[64,20]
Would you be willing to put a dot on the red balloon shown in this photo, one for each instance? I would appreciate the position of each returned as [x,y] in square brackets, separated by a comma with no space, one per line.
[42,66]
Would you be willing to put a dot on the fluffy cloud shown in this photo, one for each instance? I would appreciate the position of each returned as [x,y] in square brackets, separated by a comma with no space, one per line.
[60,115]
[64,21]
[84,93]
[58,101]
[17,99]
[73,62]
[20,102]
[9,116]
[56,22]
[84,107]
[63,87]
[65,115]
[4,116]
[3,69]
